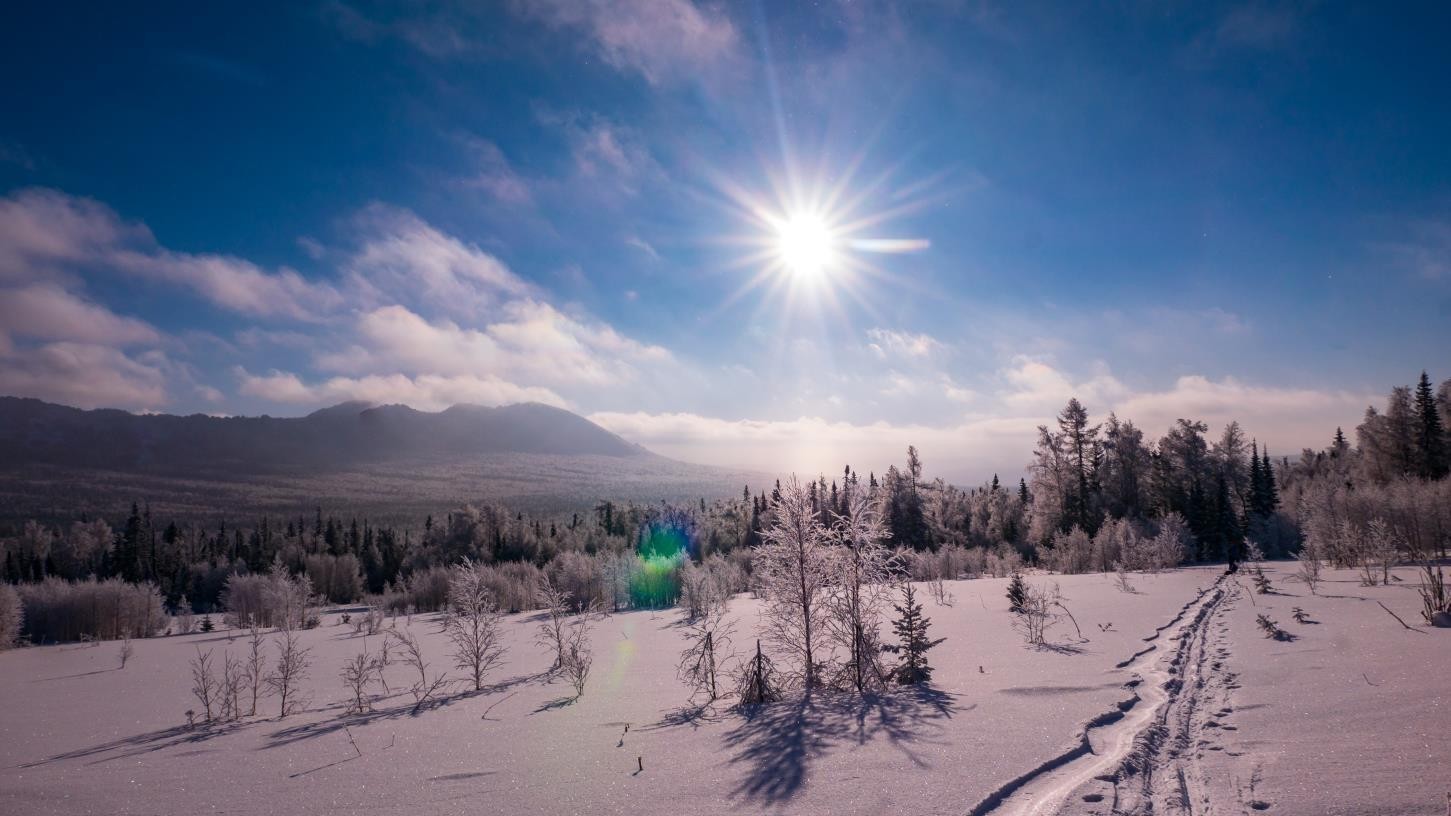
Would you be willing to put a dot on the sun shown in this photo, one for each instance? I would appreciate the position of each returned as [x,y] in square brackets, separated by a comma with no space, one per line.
[806,245]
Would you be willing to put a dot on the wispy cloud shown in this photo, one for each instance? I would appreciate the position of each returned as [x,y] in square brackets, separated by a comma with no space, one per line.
[663,41]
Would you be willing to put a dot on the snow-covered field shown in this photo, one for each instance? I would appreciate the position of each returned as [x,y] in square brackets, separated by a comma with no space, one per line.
[1351,716]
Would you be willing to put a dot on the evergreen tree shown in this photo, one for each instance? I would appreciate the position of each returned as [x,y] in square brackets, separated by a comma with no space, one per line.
[1017,593]
[1023,492]
[911,628]
[1431,436]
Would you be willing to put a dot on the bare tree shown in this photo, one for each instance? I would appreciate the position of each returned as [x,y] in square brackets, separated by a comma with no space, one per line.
[553,633]
[795,569]
[357,674]
[1040,611]
[424,688]
[126,651]
[707,639]
[230,689]
[578,656]
[255,665]
[204,681]
[473,624]
[288,672]
[857,598]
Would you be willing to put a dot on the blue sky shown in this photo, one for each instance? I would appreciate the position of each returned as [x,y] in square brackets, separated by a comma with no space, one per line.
[1237,211]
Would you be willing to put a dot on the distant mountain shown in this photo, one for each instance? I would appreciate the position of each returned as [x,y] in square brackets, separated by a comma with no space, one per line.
[36,432]
[388,462]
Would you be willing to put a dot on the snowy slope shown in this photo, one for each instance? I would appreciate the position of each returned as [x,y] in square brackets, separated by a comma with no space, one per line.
[78,735]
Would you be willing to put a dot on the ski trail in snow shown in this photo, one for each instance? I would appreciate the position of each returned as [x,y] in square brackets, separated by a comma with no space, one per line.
[1131,759]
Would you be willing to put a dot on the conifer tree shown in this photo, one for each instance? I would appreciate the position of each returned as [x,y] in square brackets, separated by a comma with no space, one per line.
[1017,593]
[911,628]
[1431,436]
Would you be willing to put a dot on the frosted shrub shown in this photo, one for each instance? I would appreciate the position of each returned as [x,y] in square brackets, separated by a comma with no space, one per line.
[337,578]
[579,577]
[1071,554]
[428,589]
[1308,569]
[12,615]
[473,624]
[513,584]
[578,656]
[276,599]
[57,611]
[1039,613]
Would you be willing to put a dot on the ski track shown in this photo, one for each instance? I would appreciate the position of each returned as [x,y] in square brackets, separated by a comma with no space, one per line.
[1143,757]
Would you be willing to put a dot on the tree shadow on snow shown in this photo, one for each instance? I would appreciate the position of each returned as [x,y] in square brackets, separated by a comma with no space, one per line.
[778,742]
[138,744]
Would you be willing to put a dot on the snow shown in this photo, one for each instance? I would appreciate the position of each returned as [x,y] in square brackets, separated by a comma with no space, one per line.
[1350,717]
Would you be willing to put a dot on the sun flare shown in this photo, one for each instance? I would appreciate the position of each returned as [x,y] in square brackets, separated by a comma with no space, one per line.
[806,245]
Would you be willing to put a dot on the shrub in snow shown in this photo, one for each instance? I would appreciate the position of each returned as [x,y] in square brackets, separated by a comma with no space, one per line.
[1121,579]
[1039,613]
[1269,627]
[1435,602]
[126,651]
[911,649]
[1261,581]
[285,680]
[424,688]
[357,674]
[57,610]
[1299,615]
[707,639]
[12,615]
[578,656]
[757,681]
[204,681]
[207,624]
[473,623]
[1308,566]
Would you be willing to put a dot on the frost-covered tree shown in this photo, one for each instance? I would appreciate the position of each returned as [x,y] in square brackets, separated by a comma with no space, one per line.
[289,672]
[856,598]
[12,616]
[794,569]
[473,623]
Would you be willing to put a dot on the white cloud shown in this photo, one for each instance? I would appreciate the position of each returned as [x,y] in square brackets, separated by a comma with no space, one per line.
[661,40]
[48,235]
[45,311]
[494,175]
[892,343]
[402,259]
[83,375]
[429,392]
